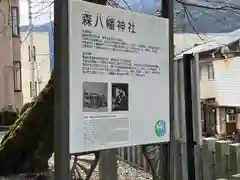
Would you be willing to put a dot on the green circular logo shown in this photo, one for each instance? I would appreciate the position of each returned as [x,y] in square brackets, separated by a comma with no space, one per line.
[160,128]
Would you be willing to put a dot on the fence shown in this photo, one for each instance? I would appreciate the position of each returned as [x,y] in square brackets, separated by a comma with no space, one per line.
[220,159]
[179,156]
[211,156]
[133,156]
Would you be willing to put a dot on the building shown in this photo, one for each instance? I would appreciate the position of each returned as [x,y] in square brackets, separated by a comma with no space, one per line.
[42,64]
[219,62]
[10,56]
[47,27]
[185,41]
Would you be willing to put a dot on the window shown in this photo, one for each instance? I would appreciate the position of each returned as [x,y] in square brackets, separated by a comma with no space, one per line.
[17,76]
[231,111]
[36,87]
[232,118]
[231,114]
[211,75]
[202,113]
[200,72]
[31,88]
[17,111]
[33,53]
[222,114]
[15,22]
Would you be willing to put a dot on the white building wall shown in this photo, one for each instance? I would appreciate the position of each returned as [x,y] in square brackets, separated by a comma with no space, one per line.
[226,85]
[42,68]
[227,73]
[207,87]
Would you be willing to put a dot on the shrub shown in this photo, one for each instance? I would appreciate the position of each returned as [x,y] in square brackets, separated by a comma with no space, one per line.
[7,118]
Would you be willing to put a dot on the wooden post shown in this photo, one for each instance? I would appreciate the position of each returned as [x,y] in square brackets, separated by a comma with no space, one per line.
[108,165]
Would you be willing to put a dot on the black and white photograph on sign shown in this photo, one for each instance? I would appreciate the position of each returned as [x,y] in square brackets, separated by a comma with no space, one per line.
[95,97]
[119,97]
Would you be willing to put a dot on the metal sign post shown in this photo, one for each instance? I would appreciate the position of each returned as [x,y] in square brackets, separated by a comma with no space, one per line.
[167,12]
[197,124]
[61,90]
[108,165]
[188,58]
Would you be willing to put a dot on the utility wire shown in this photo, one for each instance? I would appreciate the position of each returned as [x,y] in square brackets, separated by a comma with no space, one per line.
[50,3]
[222,7]
[113,3]
[188,15]
[44,8]
[38,15]
[223,3]
[126,3]
[190,22]
[222,21]
[231,8]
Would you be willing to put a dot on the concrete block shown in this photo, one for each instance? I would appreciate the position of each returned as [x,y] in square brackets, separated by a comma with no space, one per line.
[235,177]
[210,143]
[208,158]
[222,159]
[234,158]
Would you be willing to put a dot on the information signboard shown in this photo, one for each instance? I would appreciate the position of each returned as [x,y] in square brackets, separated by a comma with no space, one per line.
[119,78]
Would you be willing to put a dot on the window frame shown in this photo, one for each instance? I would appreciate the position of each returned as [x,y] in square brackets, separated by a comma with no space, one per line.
[30,53]
[15,76]
[36,86]
[200,71]
[211,75]
[30,83]
[17,21]
[232,117]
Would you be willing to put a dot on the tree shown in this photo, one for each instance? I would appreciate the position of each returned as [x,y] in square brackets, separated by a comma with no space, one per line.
[28,144]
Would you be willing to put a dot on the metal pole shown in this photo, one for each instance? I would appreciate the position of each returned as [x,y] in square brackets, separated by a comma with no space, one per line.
[197,125]
[187,58]
[167,12]
[61,90]
[31,51]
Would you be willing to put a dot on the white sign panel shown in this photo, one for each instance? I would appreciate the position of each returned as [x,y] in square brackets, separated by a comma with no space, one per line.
[119,78]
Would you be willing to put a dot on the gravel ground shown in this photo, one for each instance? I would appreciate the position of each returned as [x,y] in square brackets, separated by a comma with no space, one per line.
[125,172]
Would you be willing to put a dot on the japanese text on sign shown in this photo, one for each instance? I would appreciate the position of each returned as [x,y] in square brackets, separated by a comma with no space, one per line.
[110,23]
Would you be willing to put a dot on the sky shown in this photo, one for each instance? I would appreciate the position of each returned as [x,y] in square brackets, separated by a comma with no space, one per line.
[42,11]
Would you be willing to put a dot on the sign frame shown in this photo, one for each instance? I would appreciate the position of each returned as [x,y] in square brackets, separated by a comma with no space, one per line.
[61,101]
[112,59]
